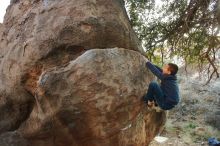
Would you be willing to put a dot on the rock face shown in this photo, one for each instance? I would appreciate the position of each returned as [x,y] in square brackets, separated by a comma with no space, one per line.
[93,100]
[55,91]
[1,40]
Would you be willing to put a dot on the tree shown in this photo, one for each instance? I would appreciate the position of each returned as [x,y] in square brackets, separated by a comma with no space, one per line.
[185,28]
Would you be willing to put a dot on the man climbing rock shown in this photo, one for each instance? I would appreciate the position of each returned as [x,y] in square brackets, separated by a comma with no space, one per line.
[166,95]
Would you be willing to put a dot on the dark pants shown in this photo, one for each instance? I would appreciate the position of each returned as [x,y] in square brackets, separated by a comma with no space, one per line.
[154,93]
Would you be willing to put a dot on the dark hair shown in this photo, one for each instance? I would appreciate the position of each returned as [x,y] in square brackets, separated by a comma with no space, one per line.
[173,68]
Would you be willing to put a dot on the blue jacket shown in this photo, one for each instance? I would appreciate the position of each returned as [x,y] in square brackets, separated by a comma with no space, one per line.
[168,85]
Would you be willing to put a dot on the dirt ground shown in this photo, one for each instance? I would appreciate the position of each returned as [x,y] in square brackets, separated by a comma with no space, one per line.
[187,131]
[187,123]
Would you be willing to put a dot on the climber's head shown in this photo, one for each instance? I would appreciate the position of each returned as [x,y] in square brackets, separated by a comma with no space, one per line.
[170,69]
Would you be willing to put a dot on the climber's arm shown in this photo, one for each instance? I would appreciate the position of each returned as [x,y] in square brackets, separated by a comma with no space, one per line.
[157,72]
[158,68]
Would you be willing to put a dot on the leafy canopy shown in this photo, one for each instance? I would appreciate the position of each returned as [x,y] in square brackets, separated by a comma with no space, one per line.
[187,29]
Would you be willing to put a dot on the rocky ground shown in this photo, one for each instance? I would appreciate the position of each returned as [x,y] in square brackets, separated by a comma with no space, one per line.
[197,116]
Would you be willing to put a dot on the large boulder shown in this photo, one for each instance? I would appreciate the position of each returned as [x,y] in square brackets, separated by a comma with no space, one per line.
[37,35]
[55,91]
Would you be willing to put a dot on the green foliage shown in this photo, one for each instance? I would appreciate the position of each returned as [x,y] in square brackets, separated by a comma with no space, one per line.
[185,28]
[191,126]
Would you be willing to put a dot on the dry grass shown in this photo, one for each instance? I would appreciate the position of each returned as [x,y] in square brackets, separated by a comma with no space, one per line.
[186,124]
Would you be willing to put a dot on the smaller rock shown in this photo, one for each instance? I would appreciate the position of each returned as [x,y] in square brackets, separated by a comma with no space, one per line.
[200,131]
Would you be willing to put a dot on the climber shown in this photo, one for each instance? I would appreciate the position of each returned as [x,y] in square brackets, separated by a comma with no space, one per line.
[166,95]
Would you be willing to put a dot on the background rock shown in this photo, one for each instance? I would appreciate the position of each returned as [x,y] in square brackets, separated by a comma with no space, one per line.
[35,30]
